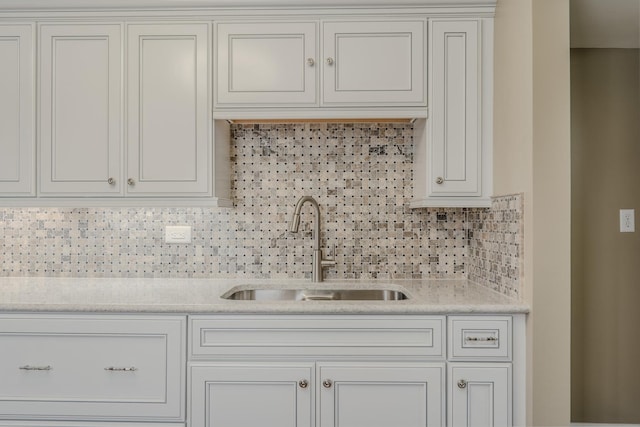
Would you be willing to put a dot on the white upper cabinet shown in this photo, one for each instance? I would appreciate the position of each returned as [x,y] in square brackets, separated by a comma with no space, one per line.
[266,64]
[80,109]
[374,63]
[17,144]
[455,108]
[453,147]
[168,125]
[379,64]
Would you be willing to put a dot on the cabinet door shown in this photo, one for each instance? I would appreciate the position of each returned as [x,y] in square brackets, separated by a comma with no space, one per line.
[266,64]
[381,394]
[17,155]
[374,62]
[80,109]
[168,121]
[480,395]
[251,395]
[455,108]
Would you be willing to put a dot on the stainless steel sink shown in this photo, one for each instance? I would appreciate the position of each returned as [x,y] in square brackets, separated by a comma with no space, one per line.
[260,294]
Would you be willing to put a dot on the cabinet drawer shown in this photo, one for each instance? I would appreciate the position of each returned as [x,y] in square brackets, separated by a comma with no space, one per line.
[479,337]
[92,367]
[316,335]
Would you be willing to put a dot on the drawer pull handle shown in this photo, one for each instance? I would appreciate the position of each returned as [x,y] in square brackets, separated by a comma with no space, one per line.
[462,384]
[115,369]
[303,383]
[490,339]
[36,368]
[327,383]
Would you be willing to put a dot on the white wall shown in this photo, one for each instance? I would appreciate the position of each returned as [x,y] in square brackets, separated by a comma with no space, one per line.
[532,156]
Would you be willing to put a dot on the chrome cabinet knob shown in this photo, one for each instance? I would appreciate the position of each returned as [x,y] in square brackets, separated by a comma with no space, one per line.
[130,181]
[462,384]
[439,180]
[111,181]
[327,383]
[329,61]
[303,383]
[311,62]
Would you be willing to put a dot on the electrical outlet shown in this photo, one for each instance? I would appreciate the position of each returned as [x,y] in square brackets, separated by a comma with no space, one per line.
[177,234]
[627,220]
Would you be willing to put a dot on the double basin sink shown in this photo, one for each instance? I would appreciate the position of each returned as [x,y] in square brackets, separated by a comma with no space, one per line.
[315,294]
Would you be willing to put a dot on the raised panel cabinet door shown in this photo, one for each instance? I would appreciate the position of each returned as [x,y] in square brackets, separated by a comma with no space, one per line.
[480,395]
[266,64]
[455,108]
[17,143]
[169,128]
[80,109]
[381,394]
[252,395]
[374,62]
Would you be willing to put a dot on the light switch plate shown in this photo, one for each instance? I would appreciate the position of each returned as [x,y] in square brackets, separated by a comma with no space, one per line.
[177,234]
[627,220]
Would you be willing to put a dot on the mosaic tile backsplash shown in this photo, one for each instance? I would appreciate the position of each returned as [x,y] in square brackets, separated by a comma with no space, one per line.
[360,174]
[496,256]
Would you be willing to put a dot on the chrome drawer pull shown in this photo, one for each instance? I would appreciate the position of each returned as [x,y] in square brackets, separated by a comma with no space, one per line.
[481,339]
[36,368]
[115,369]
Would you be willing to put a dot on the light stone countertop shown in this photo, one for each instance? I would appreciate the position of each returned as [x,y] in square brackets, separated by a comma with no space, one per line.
[120,295]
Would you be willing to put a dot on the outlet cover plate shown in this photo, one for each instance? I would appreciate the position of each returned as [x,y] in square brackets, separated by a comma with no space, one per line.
[627,220]
[177,234]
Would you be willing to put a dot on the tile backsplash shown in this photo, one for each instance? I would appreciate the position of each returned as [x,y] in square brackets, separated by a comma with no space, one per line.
[360,174]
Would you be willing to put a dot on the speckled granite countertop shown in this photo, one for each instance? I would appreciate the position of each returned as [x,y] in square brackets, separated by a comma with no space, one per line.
[204,296]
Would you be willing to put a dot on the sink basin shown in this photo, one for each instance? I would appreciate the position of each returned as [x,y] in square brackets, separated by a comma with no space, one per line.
[259,294]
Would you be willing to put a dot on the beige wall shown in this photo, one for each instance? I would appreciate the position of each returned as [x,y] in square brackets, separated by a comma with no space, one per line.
[606,263]
[532,156]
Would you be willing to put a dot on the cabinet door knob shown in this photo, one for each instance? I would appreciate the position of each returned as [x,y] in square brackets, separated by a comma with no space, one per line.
[439,180]
[329,61]
[311,62]
[327,383]
[111,181]
[303,383]
[462,384]
[130,181]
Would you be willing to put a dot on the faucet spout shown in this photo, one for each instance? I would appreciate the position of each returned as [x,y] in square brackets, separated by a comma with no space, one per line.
[295,221]
[318,262]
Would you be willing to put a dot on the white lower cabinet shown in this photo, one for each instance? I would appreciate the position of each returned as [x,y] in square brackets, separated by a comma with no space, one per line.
[381,394]
[480,395]
[92,368]
[265,394]
[252,394]
[356,370]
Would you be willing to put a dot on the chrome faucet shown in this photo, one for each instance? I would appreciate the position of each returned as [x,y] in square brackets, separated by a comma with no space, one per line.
[318,262]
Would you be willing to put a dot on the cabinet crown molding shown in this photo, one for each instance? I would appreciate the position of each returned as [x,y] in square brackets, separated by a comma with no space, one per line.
[12,5]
